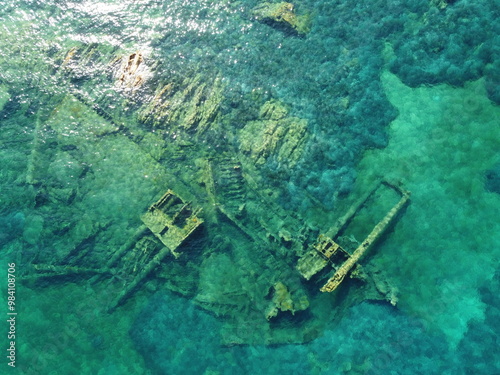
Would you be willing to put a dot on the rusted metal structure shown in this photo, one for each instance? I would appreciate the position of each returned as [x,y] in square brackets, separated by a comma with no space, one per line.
[328,252]
[170,219]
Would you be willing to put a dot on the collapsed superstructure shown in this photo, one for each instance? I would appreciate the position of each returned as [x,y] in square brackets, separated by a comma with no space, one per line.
[216,232]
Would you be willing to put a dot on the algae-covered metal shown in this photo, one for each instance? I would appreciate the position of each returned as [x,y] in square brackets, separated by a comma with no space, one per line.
[221,233]
[172,220]
[326,251]
[367,243]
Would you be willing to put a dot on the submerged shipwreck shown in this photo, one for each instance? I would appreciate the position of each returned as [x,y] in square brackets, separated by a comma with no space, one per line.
[216,231]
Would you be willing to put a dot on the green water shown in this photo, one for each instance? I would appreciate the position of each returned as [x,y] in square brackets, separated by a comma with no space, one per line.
[441,144]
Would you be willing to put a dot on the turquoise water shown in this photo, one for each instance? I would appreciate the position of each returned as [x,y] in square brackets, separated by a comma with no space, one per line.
[274,134]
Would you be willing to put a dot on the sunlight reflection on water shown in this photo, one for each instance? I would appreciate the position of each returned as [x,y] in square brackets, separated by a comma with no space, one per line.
[33,34]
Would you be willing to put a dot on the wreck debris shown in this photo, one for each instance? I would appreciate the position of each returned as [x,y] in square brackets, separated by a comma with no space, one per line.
[245,269]
[282,13]
[50,270]
[341,272]
[231,186]
[221,269]
[188,105]
[283,301]
[130,287]
[241,201]
[127,246]
[172,220]
[83,61]
[69,56]
[323,251]
[315,260]
[132,72]
[383,285]
[326,251]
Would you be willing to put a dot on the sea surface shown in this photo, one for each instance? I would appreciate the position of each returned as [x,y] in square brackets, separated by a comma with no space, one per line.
[105,105]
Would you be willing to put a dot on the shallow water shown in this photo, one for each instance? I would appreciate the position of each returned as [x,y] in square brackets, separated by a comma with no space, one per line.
[404,92]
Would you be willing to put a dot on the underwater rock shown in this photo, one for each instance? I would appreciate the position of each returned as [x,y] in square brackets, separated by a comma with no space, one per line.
[274,134]
[282,14]
[63,195]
